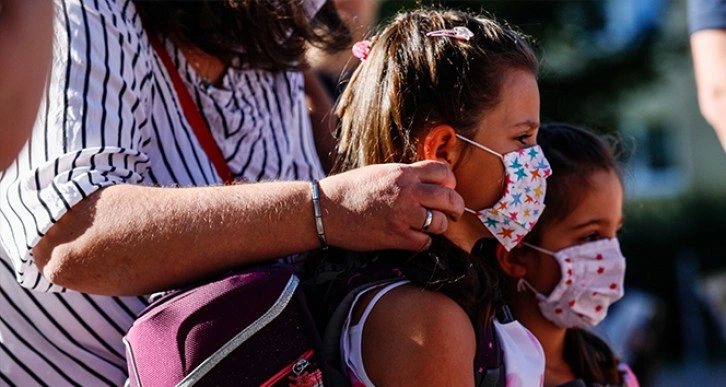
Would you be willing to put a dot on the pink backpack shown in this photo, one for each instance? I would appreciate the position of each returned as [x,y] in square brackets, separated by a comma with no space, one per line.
[251,328]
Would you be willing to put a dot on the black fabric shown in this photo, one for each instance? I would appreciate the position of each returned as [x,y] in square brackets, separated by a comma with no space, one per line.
[489,368]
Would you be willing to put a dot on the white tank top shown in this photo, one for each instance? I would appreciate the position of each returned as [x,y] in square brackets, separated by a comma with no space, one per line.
[351,338]
[524,359]
[523,355]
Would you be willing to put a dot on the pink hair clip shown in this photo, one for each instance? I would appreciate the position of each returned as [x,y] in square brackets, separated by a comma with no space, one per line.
[361,50]
[460,33]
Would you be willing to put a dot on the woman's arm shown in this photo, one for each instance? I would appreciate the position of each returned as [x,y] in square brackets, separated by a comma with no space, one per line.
[26,32]
[415,337]
[708,48]
[128,239]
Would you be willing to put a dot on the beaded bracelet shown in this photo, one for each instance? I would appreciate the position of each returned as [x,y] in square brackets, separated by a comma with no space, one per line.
[319,215]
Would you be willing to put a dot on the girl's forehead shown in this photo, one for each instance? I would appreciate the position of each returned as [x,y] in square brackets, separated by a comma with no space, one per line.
[599,202]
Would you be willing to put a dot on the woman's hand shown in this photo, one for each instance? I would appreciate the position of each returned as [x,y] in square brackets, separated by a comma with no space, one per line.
[385,206]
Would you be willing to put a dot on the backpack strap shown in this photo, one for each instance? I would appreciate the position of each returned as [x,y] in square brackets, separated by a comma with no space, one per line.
[488,362]
[330,348]
[191,112]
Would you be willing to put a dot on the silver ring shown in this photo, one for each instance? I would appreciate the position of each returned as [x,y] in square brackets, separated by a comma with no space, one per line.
[427,221]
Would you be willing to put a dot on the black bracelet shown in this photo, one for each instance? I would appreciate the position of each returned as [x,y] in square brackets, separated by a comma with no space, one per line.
[319,215]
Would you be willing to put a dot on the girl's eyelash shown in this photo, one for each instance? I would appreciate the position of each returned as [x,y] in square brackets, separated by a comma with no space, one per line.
[591,236]
[523,138]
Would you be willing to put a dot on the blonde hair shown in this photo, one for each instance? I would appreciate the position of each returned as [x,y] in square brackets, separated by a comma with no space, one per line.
[410,82]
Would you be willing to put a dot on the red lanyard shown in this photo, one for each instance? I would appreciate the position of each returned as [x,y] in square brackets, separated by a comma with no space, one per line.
[191,112]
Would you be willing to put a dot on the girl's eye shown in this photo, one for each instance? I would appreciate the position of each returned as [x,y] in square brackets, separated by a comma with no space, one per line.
[593,236]
[522,138]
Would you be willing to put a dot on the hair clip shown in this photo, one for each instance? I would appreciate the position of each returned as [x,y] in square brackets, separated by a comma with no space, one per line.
[361,50]
[460,33]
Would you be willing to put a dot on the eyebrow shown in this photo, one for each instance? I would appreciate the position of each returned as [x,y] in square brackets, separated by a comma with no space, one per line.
[596,222]
[529,124]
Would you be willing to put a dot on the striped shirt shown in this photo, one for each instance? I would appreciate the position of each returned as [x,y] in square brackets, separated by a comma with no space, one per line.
[111,116]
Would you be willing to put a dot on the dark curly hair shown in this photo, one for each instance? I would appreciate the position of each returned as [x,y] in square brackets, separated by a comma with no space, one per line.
[269,34]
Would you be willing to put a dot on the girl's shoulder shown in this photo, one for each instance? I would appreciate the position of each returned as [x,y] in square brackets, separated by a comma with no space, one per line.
[416,306]
[409,324]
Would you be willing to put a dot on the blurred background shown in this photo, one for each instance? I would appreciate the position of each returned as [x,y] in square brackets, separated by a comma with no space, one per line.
[624,67]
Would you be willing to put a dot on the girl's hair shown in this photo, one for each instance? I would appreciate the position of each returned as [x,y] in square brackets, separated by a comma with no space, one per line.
[411,82]
[267,34]
[574,155]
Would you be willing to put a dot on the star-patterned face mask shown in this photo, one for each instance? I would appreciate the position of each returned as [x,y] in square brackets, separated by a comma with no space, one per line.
[592,279]
[515,214]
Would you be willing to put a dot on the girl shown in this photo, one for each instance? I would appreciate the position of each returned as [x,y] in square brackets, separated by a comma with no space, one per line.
[569,268]
[460,89]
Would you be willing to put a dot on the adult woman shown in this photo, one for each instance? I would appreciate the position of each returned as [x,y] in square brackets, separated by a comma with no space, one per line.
[115,196]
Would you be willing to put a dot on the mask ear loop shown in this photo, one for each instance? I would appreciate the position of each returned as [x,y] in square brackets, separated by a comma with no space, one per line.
[523,285]
[484,148]
[541,250]
[480,146]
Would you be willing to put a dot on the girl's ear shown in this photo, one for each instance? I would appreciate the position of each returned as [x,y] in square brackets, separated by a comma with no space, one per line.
[441,144]
[512,262]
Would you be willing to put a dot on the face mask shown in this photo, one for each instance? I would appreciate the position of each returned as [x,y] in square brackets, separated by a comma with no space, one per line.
[592,279]
[514,215]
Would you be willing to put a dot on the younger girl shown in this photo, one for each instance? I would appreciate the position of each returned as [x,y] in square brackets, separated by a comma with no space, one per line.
[569,269]
[460,89]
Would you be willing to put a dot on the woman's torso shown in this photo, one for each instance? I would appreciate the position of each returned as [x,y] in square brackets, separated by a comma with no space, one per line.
[111,117]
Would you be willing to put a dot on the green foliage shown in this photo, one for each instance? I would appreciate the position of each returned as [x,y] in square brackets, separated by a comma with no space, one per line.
[656,231]
[656,234]
[580,80]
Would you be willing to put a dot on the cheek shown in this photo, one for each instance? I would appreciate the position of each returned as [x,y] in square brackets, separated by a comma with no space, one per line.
[480,184]
[547,274]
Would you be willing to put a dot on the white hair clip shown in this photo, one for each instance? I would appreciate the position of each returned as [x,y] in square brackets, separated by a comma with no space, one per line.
[460,33]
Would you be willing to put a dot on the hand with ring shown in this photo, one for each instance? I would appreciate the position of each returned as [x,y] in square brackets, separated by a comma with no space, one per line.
[389,206]
[427,221]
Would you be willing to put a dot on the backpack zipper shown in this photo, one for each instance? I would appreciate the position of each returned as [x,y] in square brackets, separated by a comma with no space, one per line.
[297,367]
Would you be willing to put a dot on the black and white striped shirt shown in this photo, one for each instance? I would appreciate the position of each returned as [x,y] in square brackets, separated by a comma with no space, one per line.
[111,117]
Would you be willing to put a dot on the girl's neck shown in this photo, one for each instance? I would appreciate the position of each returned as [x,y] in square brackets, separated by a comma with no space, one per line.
[552,337]
[466,231]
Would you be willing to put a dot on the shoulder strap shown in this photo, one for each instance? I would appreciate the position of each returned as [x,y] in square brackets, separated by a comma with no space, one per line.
[191,112]
[488,361]
[330,348]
